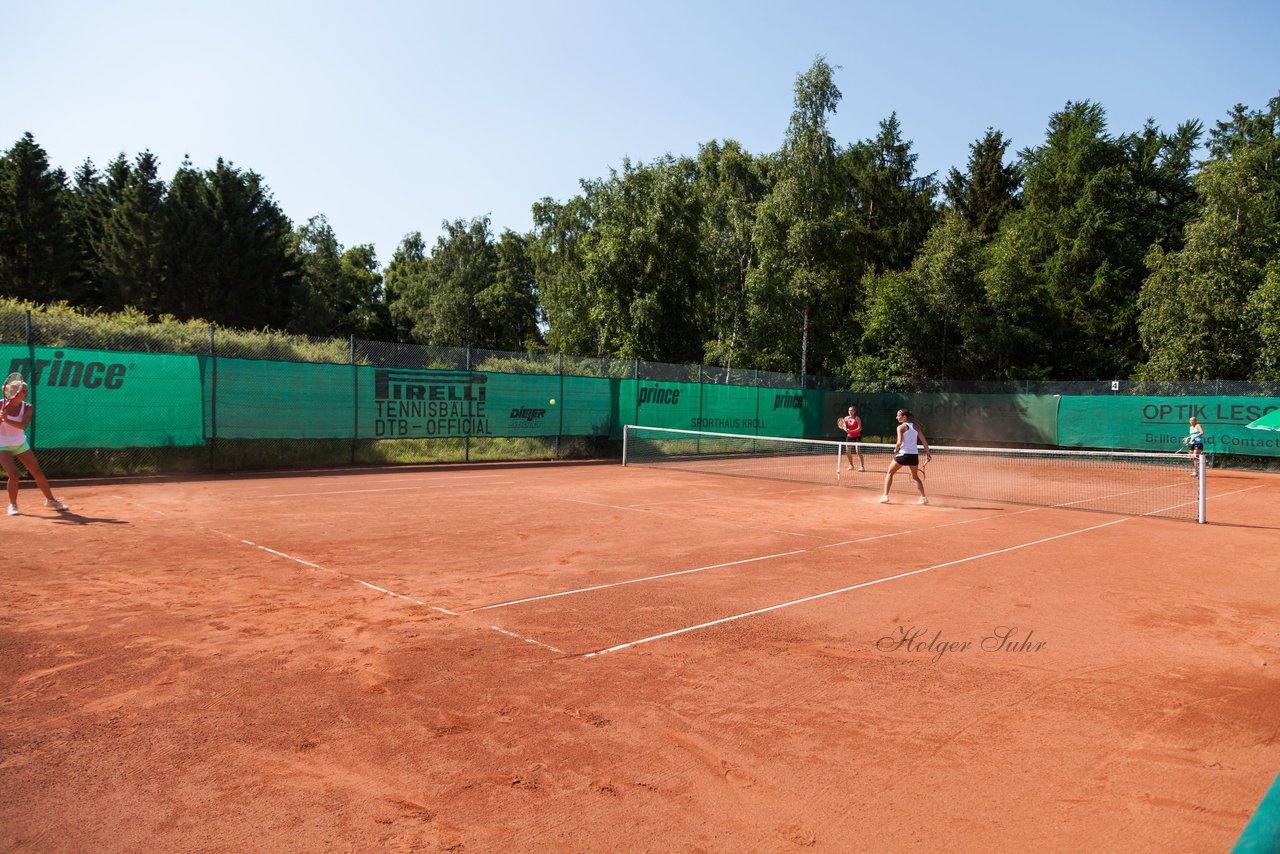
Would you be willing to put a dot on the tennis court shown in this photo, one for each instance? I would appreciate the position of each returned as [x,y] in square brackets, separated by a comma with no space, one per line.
[591,657]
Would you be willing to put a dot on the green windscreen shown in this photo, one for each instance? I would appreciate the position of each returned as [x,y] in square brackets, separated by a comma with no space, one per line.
[410,403]
[1018,419]
[1161,423]
[108,399]
[1024,419]
[280,400]
[729,409]
[720,408]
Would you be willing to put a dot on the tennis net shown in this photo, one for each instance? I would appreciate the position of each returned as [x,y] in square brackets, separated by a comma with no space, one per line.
[1121,482]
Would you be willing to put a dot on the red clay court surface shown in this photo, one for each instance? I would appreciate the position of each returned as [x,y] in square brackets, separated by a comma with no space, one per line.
[558,657]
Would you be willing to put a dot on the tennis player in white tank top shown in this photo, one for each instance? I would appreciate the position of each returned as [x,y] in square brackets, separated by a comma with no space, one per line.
[906,452]
[15,415]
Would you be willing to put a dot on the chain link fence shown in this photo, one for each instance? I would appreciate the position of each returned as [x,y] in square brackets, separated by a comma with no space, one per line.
[1073,388]
[211,379]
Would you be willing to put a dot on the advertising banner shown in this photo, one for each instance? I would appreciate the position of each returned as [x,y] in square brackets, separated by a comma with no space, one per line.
[1161,423]
[109,399]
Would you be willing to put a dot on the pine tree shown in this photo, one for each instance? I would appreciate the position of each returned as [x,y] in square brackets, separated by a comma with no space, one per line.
[255,269]
[191,238]
[37,261]
[130,250]
[989,190]
[88,207]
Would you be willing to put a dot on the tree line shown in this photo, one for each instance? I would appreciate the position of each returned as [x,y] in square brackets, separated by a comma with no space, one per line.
[1090,255]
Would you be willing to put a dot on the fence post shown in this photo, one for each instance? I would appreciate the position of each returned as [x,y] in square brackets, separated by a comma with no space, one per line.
[213,395]
[757,384]
[33,377]
[355,397]
[635,376]
[700,425]
[560,400]
[466,440]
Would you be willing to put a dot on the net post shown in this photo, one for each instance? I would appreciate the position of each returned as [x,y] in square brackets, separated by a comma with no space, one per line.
[839,454]
[626,428]
[1201,502]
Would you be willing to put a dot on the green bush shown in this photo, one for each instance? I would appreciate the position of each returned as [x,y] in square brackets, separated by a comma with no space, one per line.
[63,325]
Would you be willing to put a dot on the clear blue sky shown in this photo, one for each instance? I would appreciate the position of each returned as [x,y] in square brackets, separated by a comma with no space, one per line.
[390,117]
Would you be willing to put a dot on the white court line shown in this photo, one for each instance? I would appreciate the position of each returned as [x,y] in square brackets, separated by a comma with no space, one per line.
[903,574]
[673,501]
[525,639]
[371,586]
[452,486]
[1070,504]
[798,491]
[597,503]
[703,520]
[846,589]
[736,562]
[632,581]
[390,480]
[340,492]
[1197,501]
[864,539]
[721,498]
[298,560]
[391,593]
[381,489]
[680,572]
[933,527]
[1224,494]
[1234,492]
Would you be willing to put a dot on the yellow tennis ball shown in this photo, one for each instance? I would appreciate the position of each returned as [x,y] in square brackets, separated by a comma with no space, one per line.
[553,401]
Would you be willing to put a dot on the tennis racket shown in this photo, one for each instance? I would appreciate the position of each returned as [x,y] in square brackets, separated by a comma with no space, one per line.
[12,386]
[1180,450]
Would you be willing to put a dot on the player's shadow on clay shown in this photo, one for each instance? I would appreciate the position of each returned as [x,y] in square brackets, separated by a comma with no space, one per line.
[70,517]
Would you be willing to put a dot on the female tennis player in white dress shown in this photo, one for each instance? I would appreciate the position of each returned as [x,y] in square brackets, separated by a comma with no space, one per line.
[906,452]
[15,415]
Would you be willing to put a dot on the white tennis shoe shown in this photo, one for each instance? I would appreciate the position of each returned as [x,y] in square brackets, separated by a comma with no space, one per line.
[13,509]
[923,500]
[884,499]
[55,504]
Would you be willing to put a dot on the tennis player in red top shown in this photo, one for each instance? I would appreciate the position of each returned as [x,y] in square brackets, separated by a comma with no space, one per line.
[851,424]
